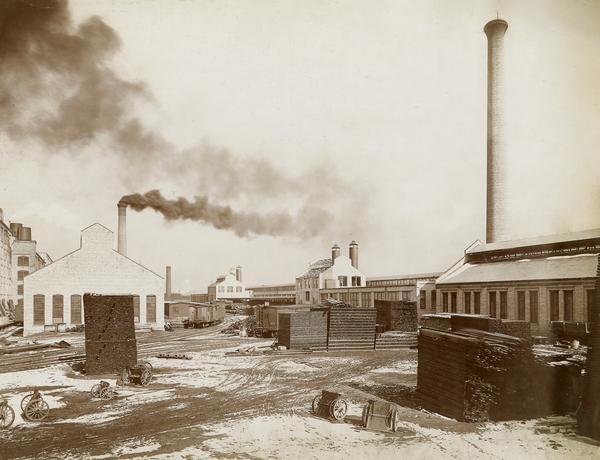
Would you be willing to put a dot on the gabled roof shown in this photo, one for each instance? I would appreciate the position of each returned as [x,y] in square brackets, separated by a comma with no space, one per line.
[549,268]
[316,268]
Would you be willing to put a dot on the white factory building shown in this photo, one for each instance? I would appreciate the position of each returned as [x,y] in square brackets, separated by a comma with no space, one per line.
[228,286]
[53,295]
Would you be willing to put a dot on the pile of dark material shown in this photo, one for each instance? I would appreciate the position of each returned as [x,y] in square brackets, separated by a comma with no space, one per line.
[475,375]
[441,322]
[571,330]
[397,315]
[351,328]
[247,324]
[459,321]
[303,329]
[589,416]
[110,344]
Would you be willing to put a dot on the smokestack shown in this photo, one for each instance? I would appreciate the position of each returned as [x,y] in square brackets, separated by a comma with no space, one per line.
[15,229]
[1,215]
[25,234]
[335,252]
[238,273]
[353,252]
[497,203]
[122,231]
[168,280]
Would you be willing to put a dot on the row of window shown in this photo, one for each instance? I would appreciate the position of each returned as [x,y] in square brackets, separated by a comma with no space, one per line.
[307,283]
[230,289]
[396,282]
[58,310]
[353,298]
[343,281]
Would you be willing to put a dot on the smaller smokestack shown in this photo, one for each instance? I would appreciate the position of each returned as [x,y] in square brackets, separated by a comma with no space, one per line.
[335,252]
[168,280]
[238,273]
[122,229]
[15,229]
[1,215]
[353,252]
[25,234]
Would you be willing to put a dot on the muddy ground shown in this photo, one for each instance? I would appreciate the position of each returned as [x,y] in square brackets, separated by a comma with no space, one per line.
[239,406]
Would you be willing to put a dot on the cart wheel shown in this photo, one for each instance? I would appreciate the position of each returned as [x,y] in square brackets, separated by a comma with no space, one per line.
[95,391]
[145,377]
[147,365]
[393,420]
[315,403]
[106,393]
[25,401]
[37,410]
[338,409]
[7,416]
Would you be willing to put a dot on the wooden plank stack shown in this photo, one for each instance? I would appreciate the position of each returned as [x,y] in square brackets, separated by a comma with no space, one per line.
[303,330]
[394,340]
[351,328]
[397,315]
[110,343]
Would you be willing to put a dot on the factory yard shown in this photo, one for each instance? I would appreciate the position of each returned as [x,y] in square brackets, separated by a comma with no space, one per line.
[220,405]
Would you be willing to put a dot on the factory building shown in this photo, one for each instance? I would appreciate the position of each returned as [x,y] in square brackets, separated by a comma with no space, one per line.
[228,286]
[25,260]
[53,295]
[7,293]
[339,271]
[274,294]
[539,280]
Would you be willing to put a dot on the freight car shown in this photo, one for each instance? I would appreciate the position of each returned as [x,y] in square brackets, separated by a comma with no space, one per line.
[184,313]
[267,317]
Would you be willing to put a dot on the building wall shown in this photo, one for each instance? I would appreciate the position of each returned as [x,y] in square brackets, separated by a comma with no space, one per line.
[580,288]
[7,288]
[94,268]
[230,288]
[23,251]
[307,290]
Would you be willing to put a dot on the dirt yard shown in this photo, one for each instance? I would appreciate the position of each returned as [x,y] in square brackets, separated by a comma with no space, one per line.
[228,406]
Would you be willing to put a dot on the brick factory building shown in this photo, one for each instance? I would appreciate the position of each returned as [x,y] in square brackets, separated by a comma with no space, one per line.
[53,294]
[539,280]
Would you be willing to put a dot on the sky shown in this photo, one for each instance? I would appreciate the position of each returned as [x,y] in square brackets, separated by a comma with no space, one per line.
[317,122]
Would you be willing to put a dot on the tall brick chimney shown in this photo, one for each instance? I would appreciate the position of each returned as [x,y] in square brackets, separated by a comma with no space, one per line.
[122,230]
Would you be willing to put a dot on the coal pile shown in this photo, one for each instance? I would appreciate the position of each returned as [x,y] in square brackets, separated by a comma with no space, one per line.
[397,315]
[351,328]
[303,329]
[110,344]
[473,375]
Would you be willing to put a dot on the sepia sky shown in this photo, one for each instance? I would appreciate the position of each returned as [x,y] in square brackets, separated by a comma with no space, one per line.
[361,120]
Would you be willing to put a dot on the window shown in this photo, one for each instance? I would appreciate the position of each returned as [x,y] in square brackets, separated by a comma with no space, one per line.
[20,289]
[393,295]
[492,307]
[353,300]
[76,309]
[406,296]
[39,307]
[23,261]
[453,302]
[324,297]
[238,289]
[356,281]
[307,296]
[554,313]
[590,303]
[467,302]
[229,288]
[444,301]
[57,309]
[343,281]
[533,306]
[433,300]
[221,288]
[136,308]
[568,297]
[477,302]
[503,305]
[365,299]
[20,303]
[423,300]
[21,274]
[344,296]
[150,308]
[521,305]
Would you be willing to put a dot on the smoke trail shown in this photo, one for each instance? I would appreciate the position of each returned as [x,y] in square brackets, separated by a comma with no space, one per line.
[223,217]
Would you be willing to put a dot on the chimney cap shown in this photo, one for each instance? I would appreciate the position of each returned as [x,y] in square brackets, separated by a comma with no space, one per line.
[335,246]
[353,243]
[121,204]
[495,23]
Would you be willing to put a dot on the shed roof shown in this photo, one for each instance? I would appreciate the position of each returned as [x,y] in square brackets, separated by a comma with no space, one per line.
[549,268]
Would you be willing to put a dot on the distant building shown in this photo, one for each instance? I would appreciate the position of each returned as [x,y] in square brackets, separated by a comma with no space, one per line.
[7,291]
[274,294]
[53,294]
[539,280]
[228,287]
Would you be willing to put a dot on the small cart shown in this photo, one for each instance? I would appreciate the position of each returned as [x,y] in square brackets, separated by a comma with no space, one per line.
[7,414]
[381,415]
[330,405]
[34,407]
[141,374]
[102,390]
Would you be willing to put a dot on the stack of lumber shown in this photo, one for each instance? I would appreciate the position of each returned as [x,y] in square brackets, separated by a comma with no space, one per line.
[351,328]
[394,340]
[476,375]
[439,321]
[397,315]
[303,330]
[110,344]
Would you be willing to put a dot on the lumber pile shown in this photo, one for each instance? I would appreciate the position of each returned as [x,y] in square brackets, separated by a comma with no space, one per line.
[110,344]
[351,328]
[438,321]
[475,375]
[303,330]
[397,315]
[394,340]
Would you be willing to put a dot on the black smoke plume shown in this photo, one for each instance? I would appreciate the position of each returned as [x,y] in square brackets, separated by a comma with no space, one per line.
[223,217]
